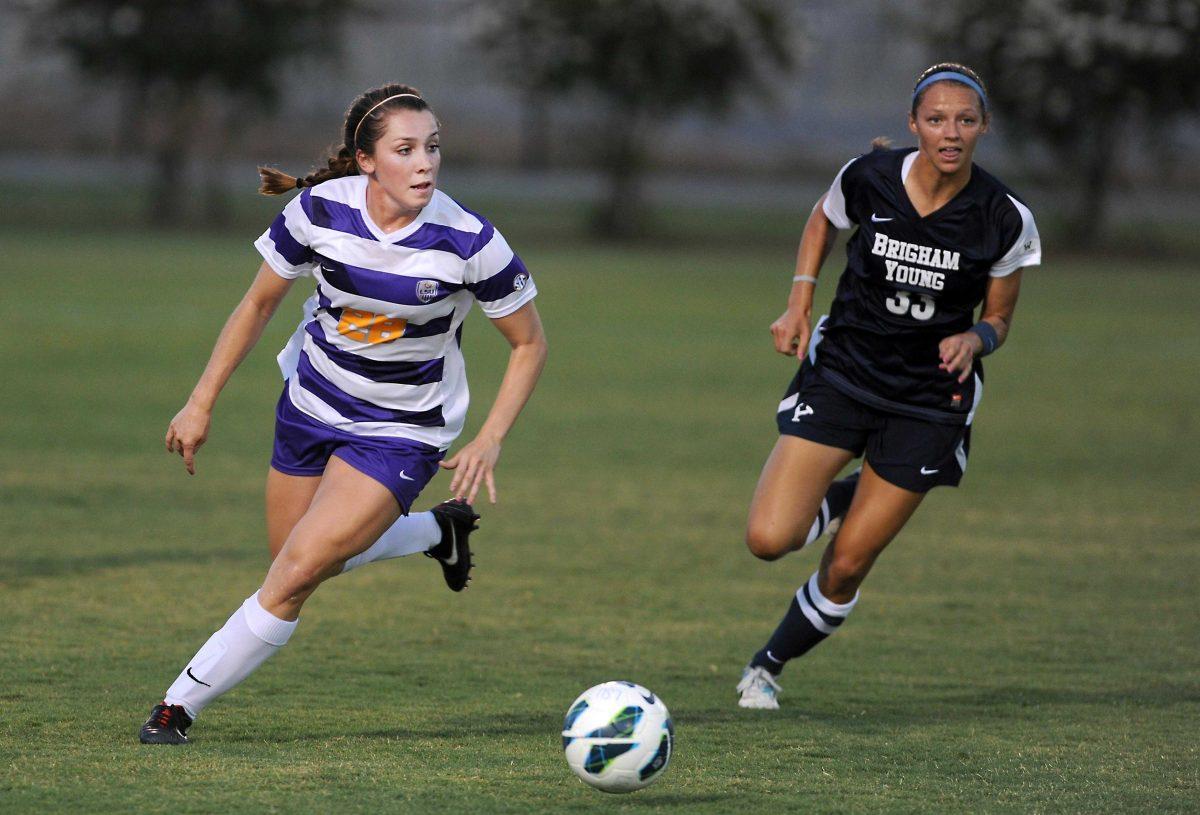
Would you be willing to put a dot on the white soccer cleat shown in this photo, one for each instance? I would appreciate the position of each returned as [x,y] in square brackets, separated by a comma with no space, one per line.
[758,689]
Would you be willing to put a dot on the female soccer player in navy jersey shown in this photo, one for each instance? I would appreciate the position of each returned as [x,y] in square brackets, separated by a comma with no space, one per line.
[376,387]
[893,373]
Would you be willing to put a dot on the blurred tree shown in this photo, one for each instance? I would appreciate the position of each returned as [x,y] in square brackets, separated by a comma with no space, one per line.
[183,60]
[648,60]
[1079,76]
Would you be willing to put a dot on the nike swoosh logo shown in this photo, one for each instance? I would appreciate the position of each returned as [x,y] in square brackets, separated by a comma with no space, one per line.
[879,220]
[453,558]
[405,477]
[650,699]
[192,677]
[927,471]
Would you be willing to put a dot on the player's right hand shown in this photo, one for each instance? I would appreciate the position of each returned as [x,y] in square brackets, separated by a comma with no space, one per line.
[791,333]
[187,431]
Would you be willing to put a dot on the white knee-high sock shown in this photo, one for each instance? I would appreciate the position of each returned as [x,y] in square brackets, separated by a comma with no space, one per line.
[407,536]
[246,640]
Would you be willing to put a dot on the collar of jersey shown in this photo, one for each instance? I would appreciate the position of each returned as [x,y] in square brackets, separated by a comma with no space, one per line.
[399,234]
[906,167]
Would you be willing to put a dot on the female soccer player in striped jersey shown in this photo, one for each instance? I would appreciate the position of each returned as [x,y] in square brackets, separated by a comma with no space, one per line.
[376,387]
[893,373]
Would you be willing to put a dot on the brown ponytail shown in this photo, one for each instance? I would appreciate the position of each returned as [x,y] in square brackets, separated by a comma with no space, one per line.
[360,131]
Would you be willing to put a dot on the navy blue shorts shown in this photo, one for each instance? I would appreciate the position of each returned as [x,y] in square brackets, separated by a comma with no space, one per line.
[914,454]
[303,446]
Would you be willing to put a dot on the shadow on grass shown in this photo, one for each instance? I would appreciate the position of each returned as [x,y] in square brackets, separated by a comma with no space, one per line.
[1010,702]
[447,728]
[674,799]
[26,568]
[1018,697]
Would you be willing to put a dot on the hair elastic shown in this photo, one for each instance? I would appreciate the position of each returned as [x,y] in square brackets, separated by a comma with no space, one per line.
[804,278]
[951,76]
[371,110]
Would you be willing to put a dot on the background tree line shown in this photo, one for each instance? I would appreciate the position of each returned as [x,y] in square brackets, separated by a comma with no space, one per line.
[1069,79]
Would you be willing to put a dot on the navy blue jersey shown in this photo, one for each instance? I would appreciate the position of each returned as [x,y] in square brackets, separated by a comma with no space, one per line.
[910,282]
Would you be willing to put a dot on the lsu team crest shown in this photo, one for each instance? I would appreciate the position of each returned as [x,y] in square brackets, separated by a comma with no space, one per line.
[427,290]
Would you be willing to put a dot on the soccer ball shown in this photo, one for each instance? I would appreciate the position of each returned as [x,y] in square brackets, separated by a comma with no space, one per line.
[618,737]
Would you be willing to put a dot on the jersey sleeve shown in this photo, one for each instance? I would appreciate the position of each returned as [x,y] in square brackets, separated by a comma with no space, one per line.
[497,277]
[286,246]
[1026,250]
[835,199]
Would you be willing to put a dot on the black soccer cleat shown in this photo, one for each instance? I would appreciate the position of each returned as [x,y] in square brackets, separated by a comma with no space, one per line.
[457,522]
[167,724]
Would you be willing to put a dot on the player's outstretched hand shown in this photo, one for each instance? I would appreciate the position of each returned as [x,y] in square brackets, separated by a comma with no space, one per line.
[187,431]
[473,465]
[791,333]
[958,352]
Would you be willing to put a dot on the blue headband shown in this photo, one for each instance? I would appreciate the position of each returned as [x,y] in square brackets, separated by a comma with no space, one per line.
[952,76]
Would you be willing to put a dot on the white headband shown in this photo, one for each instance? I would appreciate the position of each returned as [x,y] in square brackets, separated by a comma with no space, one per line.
[372,110]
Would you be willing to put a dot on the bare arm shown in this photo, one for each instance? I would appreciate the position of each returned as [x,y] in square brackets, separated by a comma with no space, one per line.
[475,462]
[958,351]
[793,329]
[189,429]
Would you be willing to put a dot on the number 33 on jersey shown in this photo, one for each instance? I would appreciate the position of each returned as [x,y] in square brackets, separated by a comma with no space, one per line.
[913,280]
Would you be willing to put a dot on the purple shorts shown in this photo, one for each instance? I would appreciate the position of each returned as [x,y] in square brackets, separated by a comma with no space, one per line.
[303,446]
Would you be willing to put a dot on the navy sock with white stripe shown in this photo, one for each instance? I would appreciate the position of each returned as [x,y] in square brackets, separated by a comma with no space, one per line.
[836,502]
[809,619]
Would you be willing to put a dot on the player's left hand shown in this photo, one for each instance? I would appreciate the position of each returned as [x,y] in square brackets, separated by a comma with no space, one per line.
[958,353]
[187,432]
[473,466]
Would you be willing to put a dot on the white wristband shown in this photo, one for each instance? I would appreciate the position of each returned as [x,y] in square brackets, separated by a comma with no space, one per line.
[804,278]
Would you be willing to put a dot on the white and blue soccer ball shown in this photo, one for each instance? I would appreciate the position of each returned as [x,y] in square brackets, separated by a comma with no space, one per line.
[618,737]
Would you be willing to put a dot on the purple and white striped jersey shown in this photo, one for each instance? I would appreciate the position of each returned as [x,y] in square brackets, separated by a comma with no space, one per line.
[378,351]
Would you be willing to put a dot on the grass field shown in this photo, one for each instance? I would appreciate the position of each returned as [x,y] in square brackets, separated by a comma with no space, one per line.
[1029,643]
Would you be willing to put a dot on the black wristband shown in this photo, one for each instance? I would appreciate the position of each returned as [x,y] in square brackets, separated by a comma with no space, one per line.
[987,333]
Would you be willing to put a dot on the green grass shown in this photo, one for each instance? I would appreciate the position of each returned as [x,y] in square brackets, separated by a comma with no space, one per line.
[1028,644]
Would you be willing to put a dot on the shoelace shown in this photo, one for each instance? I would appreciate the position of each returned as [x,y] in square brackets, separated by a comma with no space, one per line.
[163,717]
[758,676]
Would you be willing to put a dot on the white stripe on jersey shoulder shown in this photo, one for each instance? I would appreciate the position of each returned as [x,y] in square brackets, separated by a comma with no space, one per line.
[835,200]
[345,190]
[493,257]
[445,211]
[1025,251]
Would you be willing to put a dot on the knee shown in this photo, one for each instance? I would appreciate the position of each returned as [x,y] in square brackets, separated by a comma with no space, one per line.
[765,544]
[843,576]
[300,574]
